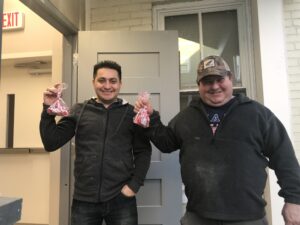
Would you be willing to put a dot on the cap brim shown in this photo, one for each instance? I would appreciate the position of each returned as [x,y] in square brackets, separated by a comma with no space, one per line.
[212,72]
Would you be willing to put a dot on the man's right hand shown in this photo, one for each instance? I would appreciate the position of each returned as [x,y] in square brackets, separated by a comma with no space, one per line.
[291,214]
[50,95]
[142,103]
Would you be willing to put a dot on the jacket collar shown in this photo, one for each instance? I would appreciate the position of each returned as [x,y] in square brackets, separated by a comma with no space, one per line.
[118,102]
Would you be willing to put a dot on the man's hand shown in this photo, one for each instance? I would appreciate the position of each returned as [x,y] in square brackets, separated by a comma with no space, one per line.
[50,95]
[291,214]
[127,191]
[142,103]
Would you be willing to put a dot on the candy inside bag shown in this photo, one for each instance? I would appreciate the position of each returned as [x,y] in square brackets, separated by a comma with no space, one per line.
[59,107]
[142,117]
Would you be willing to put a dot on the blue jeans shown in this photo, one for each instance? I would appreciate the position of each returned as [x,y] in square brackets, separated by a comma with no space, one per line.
[121,210]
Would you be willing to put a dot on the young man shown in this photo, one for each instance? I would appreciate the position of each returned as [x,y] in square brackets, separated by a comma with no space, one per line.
[226,143]
[112,154]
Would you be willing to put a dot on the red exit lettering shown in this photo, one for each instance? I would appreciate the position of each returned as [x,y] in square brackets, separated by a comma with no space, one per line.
[12,20]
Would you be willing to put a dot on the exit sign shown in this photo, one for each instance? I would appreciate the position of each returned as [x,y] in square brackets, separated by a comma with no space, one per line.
[12,20]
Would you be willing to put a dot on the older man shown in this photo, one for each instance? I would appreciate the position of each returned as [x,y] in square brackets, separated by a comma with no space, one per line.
[226,143]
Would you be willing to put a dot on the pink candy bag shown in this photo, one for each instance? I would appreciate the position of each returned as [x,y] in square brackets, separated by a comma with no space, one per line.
[142,117]
[59,107]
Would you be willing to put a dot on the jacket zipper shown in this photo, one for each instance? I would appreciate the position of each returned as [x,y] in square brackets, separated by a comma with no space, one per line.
[203,112]
[103,149]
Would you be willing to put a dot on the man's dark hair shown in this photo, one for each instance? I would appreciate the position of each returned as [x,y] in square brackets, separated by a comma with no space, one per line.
[108,64]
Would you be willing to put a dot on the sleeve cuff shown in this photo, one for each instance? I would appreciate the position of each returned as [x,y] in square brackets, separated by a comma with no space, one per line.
[44,112]
[154,118]
[293,201]
[134,186]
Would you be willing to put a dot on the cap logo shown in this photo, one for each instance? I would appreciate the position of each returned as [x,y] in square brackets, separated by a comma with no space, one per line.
[209,63]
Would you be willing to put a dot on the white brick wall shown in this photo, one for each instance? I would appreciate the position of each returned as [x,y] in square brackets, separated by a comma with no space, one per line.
[121,15]
[292,32]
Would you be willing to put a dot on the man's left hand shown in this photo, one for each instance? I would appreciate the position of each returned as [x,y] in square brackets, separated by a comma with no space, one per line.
[291,214]
[127,191]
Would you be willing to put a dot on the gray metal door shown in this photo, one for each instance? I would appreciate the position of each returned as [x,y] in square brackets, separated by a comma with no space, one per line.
[150,62]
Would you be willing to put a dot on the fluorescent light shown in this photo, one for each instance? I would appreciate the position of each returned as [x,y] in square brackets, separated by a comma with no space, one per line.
[39,71]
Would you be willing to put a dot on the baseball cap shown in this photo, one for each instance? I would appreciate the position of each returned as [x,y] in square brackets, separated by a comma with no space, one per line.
[212,65]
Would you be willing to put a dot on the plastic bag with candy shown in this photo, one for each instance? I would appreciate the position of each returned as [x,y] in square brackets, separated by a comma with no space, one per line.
[142,117]
[59,107]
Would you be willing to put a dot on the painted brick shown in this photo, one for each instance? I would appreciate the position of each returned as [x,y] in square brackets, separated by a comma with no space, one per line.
[147,6]
[295,111]
[296,22]
[123,28]
[293,62]
[130,22]
[288,22]
[104,26]
[147,20]
[287,15]
[297,122]
[142,14]
[109,3]
[294,78]
[130,8]
[290,46]
[294,54]
[113,17]
[142,1]
[291,30]
[296,145]
[293,87]
[100,13]
[296,14]
[292,7]
[142,27]
[296,127]
[104,10]
[294,70]
[296,102]
[294,95]
[292,38]
[286,2]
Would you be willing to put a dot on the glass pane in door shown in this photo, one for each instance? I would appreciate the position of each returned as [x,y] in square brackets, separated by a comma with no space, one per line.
[189,47]
[220,37]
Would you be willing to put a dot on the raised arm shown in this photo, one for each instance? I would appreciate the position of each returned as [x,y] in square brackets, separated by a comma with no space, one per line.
[163,137]
[54,135]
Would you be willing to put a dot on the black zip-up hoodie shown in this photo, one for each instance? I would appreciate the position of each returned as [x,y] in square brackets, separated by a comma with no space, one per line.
[111,151]
[225,174]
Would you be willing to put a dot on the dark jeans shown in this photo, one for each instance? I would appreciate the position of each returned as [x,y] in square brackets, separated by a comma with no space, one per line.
[121,210]
[191,218]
